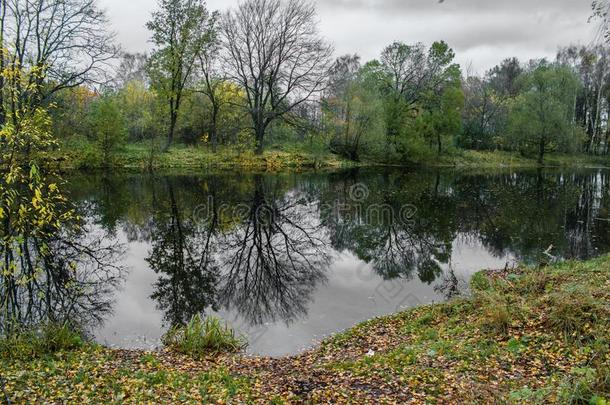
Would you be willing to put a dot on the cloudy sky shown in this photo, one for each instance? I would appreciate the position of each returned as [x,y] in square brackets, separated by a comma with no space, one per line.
[482,32]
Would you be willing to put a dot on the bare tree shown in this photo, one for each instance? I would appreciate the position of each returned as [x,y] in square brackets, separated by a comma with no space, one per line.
[276,54]
[601,12]
[409,72]
[274,259]
[62,43]
[180,30]
[131,69]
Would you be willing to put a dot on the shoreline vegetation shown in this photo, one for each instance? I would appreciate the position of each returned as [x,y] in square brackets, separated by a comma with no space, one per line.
[522,335]
[137,157]
[71,99]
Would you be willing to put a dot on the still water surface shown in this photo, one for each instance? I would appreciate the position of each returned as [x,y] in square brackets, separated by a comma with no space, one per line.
[288,259]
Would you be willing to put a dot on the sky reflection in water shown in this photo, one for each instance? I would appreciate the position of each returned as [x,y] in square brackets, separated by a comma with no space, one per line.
[289,259]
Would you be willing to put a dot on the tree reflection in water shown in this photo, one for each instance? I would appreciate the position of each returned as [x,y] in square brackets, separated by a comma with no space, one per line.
[376,229]
[262,244]
[182,254]
[274,258]
[73,282]
[259,255]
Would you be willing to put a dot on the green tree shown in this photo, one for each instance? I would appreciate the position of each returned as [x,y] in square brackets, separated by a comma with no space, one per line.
[407,74]
[445,120]
[141,110]
[591,101]
[181,30]
[486,105]
[108,126]
[352,108]
[541,117]
[70,112]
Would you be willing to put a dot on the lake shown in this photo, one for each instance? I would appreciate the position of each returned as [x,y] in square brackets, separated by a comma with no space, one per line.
[288,259]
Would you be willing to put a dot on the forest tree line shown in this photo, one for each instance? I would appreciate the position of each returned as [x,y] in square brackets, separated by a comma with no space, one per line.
[261,76]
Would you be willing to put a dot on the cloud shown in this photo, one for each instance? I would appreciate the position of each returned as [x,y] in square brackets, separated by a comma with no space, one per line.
[482,32]
[414,6]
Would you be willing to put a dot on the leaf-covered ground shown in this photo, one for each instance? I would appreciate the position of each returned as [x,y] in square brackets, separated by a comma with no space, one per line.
[524,336]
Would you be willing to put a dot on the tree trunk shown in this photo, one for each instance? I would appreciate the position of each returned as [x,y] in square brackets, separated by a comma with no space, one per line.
[172,128]
[2,56]
[598,108]
[214,129]
[260,137]
[214,138]
[439,143]
[607,145]
[541,148]
[347,124]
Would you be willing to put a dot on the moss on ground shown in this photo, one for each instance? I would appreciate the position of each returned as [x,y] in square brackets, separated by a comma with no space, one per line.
[526,335]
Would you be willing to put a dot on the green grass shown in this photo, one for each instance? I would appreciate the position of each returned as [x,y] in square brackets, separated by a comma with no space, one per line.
[80,154]
[541,335]
[39,341]
[528,335]
[483,159]
[202,336]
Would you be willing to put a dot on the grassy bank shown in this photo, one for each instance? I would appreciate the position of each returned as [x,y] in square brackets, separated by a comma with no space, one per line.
[481,159]
[137,156]
[523,336]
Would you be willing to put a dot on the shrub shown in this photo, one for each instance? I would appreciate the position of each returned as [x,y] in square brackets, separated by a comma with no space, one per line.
[574,311]
[480,282]
[537,282]
[201,336]
[35,342]
[81,153]
[583,386]
[495,307]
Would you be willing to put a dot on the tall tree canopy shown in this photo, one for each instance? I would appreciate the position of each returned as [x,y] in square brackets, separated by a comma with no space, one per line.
[276,54]
[541,118]
[409,72]
[181,30]
[59,44]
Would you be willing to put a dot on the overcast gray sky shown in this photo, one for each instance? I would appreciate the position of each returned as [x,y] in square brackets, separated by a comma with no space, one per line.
[482,32]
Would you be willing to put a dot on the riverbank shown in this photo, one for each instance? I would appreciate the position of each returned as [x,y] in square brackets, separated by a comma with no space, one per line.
[137,157]
[499,159]
[529,335]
